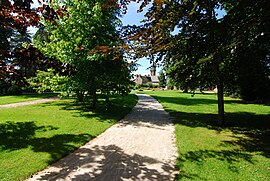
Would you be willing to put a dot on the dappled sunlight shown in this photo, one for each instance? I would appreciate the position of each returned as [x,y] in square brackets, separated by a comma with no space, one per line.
[105,163]
[34,136]
[202,157]
[251,131]
[105,111]
[137,149]
[20,135]
[243,142]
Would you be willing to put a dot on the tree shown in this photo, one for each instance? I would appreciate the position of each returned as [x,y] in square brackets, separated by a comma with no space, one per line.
[249,62]
[85,40]
[47,81]
[20,59]
[196,44]
[12,42]
[5,35]
[16,17]
[162,79]
[200,38]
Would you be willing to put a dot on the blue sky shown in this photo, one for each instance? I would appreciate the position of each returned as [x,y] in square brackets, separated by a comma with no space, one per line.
[134,18]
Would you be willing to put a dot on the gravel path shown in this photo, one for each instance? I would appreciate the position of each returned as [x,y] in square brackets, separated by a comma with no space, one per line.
[140,147]
[29,102]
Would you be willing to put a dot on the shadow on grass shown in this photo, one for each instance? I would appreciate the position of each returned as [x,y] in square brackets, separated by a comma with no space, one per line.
[255,128]
[200,156]
[115,110]
[148,114]
[188,100]
[107,163]
[251,135]
[255,136]
[20,135]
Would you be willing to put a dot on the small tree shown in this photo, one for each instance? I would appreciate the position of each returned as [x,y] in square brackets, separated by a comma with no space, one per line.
[162,79]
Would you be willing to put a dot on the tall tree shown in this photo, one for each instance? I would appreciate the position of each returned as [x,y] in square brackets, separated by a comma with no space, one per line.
[17,16]
[196,43]
[85,40]
[199,38]
[5,35]
[249,62]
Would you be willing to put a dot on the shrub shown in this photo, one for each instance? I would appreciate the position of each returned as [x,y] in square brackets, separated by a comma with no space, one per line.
[155,86]
[14,90]
[137,86]
[149,85]
[3,87]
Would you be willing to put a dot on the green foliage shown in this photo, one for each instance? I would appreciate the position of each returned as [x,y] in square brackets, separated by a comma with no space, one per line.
[42,35]
[33,137]
[10,40]
[162,79]
[137,86]
[251,81]
[171,83]
[14,90]
[149,85]
[48,81]
[201,48]
[85,40]
[3,87]
[238,151]
[20,59]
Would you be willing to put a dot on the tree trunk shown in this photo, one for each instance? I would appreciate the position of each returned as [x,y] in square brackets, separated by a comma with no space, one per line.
[80,96]
[221,117]
[220,92]
[94,99]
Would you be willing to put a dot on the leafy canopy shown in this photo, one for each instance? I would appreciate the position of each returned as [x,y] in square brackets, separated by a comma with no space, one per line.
[85,39]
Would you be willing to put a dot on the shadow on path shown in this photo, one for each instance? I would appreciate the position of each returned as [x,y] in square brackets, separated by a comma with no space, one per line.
[140,147]
[111,163]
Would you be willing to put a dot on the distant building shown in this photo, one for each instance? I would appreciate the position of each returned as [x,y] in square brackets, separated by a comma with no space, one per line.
[144,79]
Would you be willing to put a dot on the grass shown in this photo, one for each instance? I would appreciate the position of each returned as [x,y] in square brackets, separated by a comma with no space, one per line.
[238,151]
[32,137]
[24,97]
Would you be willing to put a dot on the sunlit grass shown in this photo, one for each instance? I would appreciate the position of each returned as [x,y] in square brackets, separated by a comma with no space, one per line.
[24,97]
[238,151]
[32,137]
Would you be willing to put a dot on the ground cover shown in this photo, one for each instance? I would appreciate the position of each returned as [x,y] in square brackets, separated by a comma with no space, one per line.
[238,151]
[32,137]
[24,97]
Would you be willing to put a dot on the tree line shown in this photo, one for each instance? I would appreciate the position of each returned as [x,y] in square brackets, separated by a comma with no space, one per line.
[220,43]
[81,40]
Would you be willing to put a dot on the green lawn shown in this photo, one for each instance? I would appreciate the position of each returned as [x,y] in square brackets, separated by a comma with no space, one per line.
[238,151]
[32,137]
[22,98]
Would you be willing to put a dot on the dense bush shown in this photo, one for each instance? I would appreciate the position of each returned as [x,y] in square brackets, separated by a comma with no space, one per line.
[137,86]
[3,87]
[14,90]
[149,85]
